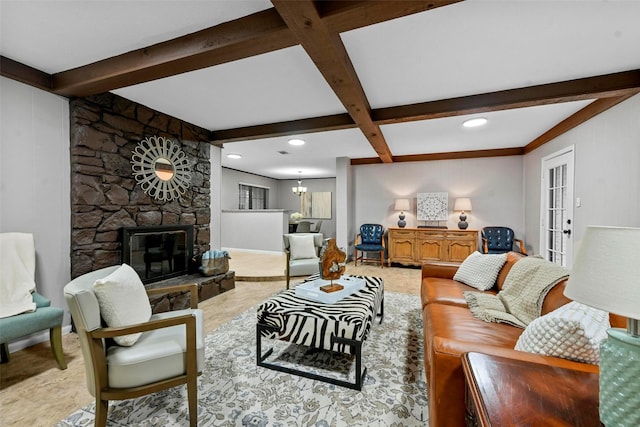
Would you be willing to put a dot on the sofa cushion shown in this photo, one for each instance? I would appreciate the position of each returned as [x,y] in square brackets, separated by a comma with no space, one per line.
[435,290]
[480,270]
[123,301]
[302,247]
[573,331]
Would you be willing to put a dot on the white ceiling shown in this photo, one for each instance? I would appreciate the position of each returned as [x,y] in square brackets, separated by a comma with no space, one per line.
[467,48]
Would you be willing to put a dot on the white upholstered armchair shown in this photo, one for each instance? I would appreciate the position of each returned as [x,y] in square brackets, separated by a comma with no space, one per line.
[164,351]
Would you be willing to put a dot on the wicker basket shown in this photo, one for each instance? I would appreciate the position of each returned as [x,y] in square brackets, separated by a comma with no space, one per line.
[215,266]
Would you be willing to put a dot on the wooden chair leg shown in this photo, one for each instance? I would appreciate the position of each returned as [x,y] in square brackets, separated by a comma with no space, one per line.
[102,408]
[4,352]
[192,397]
[55,338]
[382,259]
[356,257]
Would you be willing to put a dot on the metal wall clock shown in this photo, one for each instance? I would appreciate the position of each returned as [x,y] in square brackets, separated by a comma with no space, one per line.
[161,168]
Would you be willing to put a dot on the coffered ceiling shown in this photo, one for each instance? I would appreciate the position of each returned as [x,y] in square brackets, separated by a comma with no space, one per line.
[374,81]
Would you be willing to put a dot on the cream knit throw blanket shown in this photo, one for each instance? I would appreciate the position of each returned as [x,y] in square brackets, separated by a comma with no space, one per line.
[17,273]
[520,300]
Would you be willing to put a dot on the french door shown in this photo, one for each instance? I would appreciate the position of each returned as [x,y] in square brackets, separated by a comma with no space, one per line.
[556,216]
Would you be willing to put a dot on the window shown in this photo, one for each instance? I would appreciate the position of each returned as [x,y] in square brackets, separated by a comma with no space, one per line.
[252,197]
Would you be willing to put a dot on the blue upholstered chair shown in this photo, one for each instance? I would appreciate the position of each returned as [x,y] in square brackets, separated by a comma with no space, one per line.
[25,311]
[370,239]
[498,240]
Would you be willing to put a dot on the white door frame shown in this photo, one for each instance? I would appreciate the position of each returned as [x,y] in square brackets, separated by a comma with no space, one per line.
[556,218]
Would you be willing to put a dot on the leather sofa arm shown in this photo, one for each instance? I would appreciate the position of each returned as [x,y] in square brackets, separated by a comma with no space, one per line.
[440,269]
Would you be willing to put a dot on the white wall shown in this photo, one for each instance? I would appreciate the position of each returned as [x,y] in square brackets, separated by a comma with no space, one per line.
[607,172]
[34,179]
[495,186]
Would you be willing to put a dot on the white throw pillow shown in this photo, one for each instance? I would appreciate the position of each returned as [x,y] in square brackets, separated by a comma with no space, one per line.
[573,331]
[123,301]
[480,270]
[302,247]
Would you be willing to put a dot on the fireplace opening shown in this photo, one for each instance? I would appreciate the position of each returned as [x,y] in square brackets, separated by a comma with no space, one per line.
[158,252]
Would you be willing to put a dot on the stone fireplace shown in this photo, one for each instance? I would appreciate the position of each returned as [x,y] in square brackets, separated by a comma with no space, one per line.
[105,197]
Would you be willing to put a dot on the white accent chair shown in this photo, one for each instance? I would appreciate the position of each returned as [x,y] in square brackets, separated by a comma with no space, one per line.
[301,265]
[170,351]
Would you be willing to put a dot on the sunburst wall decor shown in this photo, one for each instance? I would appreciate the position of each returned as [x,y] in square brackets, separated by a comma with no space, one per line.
[161,168]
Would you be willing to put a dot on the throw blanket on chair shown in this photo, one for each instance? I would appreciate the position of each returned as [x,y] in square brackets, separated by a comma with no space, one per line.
[520,300]
[17,273]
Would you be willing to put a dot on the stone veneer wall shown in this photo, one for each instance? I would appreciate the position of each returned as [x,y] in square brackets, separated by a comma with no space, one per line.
[104,194]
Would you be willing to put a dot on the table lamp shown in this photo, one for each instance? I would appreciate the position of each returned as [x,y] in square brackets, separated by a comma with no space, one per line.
[463,204]
[606,275]
[402,205]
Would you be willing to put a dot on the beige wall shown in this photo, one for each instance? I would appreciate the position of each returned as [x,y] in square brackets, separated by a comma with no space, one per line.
[34,179]
[607,172]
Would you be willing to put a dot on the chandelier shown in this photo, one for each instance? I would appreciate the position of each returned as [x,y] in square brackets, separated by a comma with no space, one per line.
[299,190]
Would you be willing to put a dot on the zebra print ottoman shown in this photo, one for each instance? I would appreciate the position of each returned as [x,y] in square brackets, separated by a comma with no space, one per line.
[341,327]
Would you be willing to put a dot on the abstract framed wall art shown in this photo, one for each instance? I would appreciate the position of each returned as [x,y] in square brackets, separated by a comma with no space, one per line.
[433,206]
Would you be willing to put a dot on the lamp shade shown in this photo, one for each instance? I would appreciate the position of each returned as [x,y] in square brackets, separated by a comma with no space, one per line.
[462,204]
[402,205]
[606,272]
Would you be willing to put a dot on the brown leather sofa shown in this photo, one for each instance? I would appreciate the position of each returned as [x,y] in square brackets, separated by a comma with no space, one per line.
[451,330]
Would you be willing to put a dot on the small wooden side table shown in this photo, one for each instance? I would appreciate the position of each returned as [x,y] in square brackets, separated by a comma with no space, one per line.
[510,392]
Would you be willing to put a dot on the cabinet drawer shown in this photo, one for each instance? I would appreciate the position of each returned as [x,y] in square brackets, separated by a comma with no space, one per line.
[453,235]
[402,234]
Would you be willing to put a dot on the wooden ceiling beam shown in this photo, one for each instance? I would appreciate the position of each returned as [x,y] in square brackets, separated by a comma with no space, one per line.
[451,155]
[255,34]
[292,127]
[326,50]
[25,74]
[596,107]
[251,35]
[604,86]
[341,16]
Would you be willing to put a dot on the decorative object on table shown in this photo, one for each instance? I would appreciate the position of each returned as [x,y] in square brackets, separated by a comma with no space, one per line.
[462,205]
[299,190]
[332,260]
[161,168]
[215,262]
[433,207]
[402,205]
[605,275]
[295,217]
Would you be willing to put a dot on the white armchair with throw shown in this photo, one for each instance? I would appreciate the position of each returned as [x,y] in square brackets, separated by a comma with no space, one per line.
[150,352]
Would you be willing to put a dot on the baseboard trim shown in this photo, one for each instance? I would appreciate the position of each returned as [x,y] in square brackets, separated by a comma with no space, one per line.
[33,339]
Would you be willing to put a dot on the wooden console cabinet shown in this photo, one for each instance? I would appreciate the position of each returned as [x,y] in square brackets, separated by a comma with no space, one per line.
[414,246]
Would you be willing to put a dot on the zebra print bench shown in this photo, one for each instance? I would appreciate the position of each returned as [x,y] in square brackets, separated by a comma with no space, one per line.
[341,327]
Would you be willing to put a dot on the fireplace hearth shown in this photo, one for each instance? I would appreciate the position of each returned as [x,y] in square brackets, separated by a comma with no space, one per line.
[158,252]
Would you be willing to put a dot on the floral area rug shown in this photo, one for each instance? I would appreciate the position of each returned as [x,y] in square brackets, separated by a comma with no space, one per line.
[233,391]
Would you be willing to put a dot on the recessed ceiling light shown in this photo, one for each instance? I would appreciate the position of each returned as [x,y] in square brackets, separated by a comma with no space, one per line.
[472,123]
[234,156]
[296,141]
